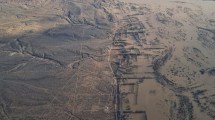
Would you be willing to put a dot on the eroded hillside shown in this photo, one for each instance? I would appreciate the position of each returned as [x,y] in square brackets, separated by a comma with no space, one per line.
[54,60]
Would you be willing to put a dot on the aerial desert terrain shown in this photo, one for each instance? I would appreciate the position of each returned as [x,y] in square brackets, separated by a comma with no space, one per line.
[107,60]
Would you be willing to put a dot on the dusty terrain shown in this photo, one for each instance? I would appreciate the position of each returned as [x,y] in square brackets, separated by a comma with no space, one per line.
[53,60]
[107,59]
[163,59]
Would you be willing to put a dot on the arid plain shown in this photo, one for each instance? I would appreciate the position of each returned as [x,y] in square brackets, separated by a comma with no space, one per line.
[107,60]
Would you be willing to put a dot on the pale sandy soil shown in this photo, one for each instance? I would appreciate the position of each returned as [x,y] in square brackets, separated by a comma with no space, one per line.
[107,59]
[183,87]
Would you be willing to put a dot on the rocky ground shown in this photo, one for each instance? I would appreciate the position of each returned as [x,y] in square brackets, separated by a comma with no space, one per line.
[53,60]
[107,59]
